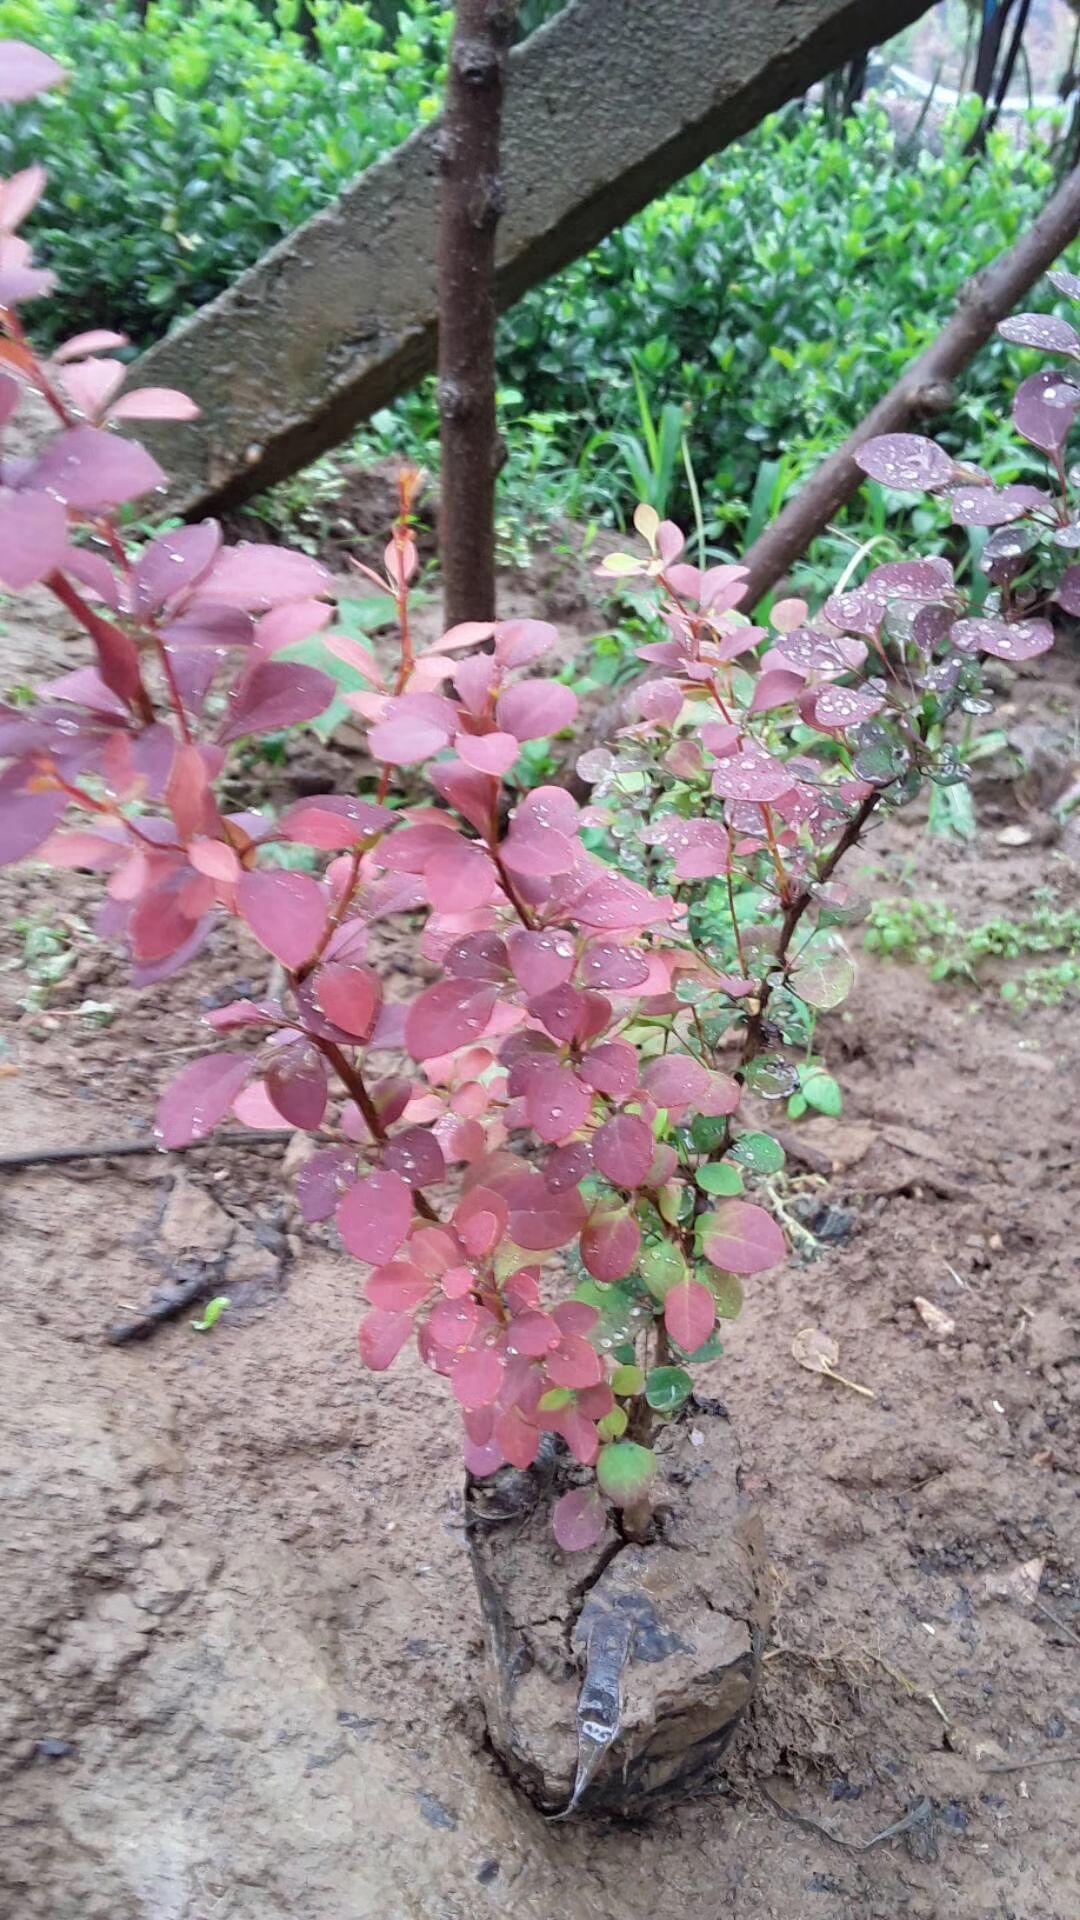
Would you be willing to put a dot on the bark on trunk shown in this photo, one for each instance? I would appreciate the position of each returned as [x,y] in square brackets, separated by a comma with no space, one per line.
[925,388]
[470,206]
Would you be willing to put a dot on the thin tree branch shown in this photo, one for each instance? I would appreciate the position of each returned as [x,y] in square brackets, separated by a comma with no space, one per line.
[126,1149]
[925,387]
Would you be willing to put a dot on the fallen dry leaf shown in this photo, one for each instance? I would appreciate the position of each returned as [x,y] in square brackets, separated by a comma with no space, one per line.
[1019,1583]
[819,1353]
[935,1319]
[814,1350]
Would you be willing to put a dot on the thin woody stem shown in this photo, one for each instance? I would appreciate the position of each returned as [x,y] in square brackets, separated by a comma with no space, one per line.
[753,1040]
[353,1081]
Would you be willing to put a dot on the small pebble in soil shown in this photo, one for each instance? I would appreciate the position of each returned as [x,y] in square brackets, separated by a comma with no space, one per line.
[845,1790]
[436,1814]
[954,1818]
[52,1749]
[354,1722]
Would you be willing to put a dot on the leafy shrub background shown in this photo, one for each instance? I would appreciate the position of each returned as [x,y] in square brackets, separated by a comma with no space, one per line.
[758,309]
[181,150]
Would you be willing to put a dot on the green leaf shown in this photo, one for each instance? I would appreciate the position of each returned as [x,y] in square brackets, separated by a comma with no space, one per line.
[726,1289]
[712,1350]
[821,1092]
[667,1387]
[718,1176]
[662,1267]
[823,980]
[627,1380]
[625,1471]
[759,1153]
[613,1425]
[555,1399]
[708,1134]
[616,1306]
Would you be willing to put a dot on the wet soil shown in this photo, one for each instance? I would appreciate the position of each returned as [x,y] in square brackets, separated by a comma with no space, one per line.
[239,1641]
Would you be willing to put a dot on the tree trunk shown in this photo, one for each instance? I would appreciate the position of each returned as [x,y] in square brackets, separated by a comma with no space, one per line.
[469,211]
[995,16]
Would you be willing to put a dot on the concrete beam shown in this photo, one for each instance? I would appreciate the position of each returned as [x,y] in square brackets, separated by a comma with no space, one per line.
[608,105]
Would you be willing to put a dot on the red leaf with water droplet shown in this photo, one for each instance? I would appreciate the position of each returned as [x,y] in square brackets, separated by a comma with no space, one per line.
[574,1363]
[532,1333]
[398,1287]
[296,1084]
[623,1150]
[561,1011]
[610,1244]
[478,956]
[616,905]
[374,1217]
[1021,640]
[173,562]
[477,1377]
[285,911]
[256,576]
[493,753]
[200,1097]
[579,1519]
[1044,408]
[539,1220]
[1043,331]
[742,1238]
[382,1336]
[536,708]
[416,1155]
[752,775]
[322,1180]
[460,876]
[994,506]
[413,728]
[689,1315]
[675,1081]
[92,470]
[614,967]
[835,709]
[333,822]
[907,462]
[350,996]
[33,537]
[447,1016]
[541,960]
[556,1103]
[611,1068]
[277,694]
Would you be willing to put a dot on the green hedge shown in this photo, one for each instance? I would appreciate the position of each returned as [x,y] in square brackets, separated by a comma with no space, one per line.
[767,301]
[183,148]
[776,294]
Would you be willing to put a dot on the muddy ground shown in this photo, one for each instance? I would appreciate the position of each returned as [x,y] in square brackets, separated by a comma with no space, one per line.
[238,1639]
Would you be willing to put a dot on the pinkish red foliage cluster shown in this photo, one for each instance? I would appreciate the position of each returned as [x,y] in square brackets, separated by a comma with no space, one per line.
[575,1077]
